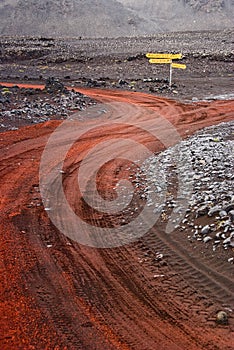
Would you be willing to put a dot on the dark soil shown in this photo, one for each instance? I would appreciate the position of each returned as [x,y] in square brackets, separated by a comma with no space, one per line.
[121,63]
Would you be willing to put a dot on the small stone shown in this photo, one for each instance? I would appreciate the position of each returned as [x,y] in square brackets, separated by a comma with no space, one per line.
[222,214]
[217,242]
[207,239]
[231,260]
[122,82]
[229,207]
[159,256]
[222,317]
[227,241]
[47,209]
[202,210]
[205,230]
[231,214]
[156,276]
[214,210]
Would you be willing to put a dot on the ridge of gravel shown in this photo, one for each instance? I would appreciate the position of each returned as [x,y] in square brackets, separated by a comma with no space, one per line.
[22,107]
[197,177]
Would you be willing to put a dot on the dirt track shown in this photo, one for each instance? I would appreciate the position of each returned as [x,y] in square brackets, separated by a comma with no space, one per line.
[58,294]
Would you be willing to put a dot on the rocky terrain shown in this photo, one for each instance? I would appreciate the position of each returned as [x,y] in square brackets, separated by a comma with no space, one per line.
[67,104]
[60,293]
[22,107]
[204,164]
[112,18]
[121,63]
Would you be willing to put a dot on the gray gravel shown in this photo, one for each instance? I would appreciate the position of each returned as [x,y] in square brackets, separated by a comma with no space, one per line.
[21,107]
[196,179]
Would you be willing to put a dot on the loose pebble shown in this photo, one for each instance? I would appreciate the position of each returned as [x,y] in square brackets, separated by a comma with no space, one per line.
[222,317]
[203,166]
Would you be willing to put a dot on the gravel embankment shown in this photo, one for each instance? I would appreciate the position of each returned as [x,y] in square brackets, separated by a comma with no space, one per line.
[197,177]
[22,107]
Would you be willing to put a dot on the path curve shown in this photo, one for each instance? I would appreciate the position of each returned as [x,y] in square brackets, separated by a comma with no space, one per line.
[58,294]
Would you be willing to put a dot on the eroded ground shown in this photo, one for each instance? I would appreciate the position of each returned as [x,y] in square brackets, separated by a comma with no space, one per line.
[156,292]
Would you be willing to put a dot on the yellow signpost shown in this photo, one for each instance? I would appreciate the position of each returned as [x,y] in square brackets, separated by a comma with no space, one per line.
[179,66]
[166,58]
[171,56]
[160,61]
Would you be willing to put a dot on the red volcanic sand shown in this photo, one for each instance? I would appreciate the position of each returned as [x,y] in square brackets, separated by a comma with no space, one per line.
[58,294]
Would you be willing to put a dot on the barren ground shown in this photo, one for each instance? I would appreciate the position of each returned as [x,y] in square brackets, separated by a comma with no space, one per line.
[59,294]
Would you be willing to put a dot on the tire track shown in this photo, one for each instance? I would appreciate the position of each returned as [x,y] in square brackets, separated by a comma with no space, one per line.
[204,276]
[89,298]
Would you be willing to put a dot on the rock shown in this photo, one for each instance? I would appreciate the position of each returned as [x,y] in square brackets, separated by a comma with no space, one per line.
[147,80]
[207,239]
[202,210]
[232,240]
[227,241]
[48,209]
[122,82]
[214,210]
[152,89]
[222,317]
[205,230]
[159,256]
[231,215]
[2,99]
[53,85]
[229,207]
[222,214]
[30,110]
[207,160]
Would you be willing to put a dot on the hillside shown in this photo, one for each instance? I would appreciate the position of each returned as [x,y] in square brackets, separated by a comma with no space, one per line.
[112,18]
[182,15]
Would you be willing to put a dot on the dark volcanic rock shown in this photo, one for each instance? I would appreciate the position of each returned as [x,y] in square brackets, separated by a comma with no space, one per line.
[21,107]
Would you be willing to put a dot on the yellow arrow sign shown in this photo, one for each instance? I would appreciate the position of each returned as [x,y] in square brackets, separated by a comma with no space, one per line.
[162,61]
[179,66]
[171,56]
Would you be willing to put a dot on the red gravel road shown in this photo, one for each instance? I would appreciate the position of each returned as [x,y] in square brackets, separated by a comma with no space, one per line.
[59,294]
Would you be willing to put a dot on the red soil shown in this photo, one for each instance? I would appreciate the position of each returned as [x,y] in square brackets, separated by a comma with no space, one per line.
[71,296]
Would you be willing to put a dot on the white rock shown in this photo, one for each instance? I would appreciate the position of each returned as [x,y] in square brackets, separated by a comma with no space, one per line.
[207,239]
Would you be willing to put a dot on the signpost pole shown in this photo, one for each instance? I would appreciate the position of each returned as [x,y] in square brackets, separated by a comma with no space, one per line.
[170,79]
[166,58]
